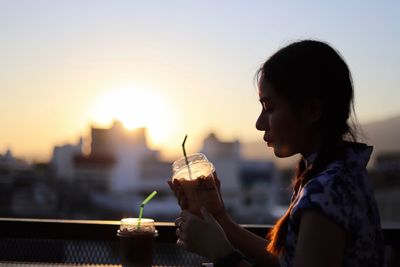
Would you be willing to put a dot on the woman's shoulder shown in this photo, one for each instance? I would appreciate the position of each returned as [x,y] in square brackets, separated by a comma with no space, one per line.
[347,169]
[341,188]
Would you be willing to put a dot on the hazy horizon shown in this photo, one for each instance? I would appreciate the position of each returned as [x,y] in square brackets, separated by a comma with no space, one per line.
[174,67]
[255,149]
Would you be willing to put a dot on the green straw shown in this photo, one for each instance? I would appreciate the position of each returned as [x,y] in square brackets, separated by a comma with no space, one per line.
[142,206]
[186,160]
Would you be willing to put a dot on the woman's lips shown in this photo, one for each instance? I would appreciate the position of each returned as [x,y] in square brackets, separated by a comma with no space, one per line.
[267,140]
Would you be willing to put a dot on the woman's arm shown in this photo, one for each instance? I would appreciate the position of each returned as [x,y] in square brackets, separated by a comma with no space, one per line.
[206,237]
[321,242]
[250,244]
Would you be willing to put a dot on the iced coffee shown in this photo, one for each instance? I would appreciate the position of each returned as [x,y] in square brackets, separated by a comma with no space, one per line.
[196,176]
[137,243]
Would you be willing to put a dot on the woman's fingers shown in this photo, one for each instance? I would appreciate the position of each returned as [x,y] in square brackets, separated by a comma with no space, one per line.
[178,222]
[181,244]
[185,223]
[180,234]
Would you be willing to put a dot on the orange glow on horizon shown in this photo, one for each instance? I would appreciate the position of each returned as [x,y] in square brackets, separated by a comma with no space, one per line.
[135,108]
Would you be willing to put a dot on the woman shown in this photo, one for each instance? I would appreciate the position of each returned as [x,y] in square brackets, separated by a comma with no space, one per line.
[306,94]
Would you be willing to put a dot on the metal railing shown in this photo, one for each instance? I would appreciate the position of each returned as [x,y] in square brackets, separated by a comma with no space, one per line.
[95,242]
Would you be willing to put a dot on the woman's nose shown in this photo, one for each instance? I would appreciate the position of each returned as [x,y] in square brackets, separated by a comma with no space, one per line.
[262,123]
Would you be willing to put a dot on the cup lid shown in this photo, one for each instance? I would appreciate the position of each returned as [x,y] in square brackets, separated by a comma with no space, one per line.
[131,225]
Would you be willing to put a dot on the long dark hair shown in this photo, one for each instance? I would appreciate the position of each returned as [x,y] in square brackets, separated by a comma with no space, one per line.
[299,72]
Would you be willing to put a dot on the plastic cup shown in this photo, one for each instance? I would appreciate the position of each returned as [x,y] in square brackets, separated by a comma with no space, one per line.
[198,183]
[137,245]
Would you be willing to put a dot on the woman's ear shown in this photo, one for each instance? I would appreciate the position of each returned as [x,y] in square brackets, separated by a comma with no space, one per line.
[312,110]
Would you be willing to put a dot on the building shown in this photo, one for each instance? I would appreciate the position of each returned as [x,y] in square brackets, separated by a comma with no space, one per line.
[385,175]
[62,161]
[121,170]
[127,150]
[226,159]
[118,173]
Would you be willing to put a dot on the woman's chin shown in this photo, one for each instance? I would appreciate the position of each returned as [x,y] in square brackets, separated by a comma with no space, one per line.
[282,152]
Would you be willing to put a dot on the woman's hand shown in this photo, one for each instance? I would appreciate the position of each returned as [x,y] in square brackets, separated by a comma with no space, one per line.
[202,236]
[212,202]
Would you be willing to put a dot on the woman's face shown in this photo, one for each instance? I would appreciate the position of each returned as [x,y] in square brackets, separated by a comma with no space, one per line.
[285,128]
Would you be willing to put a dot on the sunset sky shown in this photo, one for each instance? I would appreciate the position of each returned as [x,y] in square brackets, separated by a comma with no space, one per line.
[175,67]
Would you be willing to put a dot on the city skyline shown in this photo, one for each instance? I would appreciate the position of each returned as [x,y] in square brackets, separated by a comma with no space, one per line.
[177,68]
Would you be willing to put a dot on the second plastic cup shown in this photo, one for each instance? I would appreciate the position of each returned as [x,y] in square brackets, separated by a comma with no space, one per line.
[137,244]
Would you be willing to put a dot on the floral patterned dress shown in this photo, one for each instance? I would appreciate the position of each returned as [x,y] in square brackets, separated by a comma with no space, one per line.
[342,192]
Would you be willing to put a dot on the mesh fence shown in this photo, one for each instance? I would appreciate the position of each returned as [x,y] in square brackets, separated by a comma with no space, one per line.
[87,252]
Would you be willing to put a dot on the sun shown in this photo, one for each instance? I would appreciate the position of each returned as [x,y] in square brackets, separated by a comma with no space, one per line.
[136,107]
